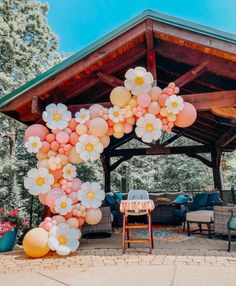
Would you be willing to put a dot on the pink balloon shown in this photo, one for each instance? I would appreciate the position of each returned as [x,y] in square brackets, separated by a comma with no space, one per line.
[144,100]
[37,130]
[67,147]
[62,137]
[76,184]
[54,146]
[42,199]
[52,196]
[73,196]
[50,138]
[162,99]
[98,126]
[74,138]
[186,116]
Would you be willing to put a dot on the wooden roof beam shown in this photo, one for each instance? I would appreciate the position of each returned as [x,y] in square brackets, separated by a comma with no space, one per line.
[228,137]
[151,52]
[173,138]
[192,74]
[111,80]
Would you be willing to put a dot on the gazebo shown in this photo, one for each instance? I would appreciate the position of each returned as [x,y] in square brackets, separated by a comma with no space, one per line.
[200,60]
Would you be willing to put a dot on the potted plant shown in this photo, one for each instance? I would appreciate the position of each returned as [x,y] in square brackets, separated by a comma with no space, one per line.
[10,223]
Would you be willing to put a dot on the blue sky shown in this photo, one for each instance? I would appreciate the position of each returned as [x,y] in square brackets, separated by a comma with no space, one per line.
[80,22]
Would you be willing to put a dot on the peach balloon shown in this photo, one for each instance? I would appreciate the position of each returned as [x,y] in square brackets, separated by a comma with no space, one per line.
[186,116]
[42,199]
[51,153]
[50,138]
[37,130]
[76,184]
[155,93]
[171,85]
[41,155]
[67,147]
[171,117]
[74,138]
[81,129]
[98,126]
[118,127]
[118,135]
[133,102]
[45,147]
[74,157]
[62,137]
[154,107]
[64,159]
[144,100]
[68,131]
[73,196]
[131,120]
[96,110]
[162,99]
[93,216]
[73,222]
[105,140]
[35,243]
[165,127]
[57,174]
[128,127]
[120,96]
[163,111]
[61,151]
[54,146]
[43,163]
[72,124]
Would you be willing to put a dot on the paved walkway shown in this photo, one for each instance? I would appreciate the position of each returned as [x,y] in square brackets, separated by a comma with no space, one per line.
[194,261]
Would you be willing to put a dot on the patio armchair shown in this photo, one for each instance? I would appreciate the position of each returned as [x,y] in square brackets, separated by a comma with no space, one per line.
[231,227]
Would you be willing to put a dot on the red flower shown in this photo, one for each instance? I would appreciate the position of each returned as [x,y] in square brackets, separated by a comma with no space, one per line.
[25,223]
[1,211]
[5,226]
[13,212]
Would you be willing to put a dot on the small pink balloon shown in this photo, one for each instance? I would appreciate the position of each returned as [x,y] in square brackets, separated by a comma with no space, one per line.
[154,107]
[164,121]
[171,85]
[72,124]
[55,131]
[96,110]
[50,138]
[176,90]
[62,137]
[45,147]
[73,196]
[169,91]
[67,147]
[76,185]
[54,146]
[165,127]
[37,130]
[61,150]
[144,100]
[74,138]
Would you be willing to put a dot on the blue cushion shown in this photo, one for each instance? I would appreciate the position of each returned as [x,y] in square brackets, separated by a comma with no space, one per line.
[110,200]
[118,196]
[213,199]
[181,199]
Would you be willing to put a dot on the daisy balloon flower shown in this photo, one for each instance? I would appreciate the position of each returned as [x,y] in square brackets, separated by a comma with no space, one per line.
[33,144]
[174,104]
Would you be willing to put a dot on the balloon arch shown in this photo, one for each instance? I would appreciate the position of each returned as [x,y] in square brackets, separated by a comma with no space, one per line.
[138,104]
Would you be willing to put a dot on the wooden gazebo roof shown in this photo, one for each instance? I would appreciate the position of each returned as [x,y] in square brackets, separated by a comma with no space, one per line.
[202,62]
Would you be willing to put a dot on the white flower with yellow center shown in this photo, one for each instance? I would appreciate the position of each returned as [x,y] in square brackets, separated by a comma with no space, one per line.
[91,195]
[63,205]
[148,128]
[56,116]
[116,114]
[38,181]
[33,144]
[69,172]
[174,104]
[138,80]
[89,147]
[63,239]
[82,116]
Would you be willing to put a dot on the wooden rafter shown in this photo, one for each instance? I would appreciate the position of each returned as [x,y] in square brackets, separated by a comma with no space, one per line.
[228,137]
[192,74]
[205,161]
[118,162]
[173,138]
[111,80]
[151,52]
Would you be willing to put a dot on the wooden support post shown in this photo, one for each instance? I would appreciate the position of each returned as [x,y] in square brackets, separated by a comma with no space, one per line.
[216,168]
[105,158]
[151,52]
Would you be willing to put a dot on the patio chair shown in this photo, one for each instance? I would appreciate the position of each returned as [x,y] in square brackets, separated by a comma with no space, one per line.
[231,226]
[137,195]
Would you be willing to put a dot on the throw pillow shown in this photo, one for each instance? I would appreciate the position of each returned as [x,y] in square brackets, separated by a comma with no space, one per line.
[181,199]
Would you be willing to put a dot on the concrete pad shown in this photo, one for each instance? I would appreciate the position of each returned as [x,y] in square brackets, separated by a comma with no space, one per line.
[116,276]
[26,279]
[205,276]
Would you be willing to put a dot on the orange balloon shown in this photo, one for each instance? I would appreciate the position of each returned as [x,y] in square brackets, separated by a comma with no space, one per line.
[162,99]
[50,138]
[186,116]
[72,124]
[74,138]
[37,130]
[35,243]
[54,146]
[45,147]
[57,174]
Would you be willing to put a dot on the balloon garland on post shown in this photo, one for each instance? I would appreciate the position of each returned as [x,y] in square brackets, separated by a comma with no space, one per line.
[137,105]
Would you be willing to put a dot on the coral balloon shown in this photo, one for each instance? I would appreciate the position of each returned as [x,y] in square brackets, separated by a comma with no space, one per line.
[76,184]
[118,127]
[98,127]
[74,138]
[54,146]
[81,129]
[162,99]
[93,216]
[120,96]
[50,138]
[41,155]
[144,100]
[128,127]
[96,110]
[186,116]
[74,157]
[154,107]
[36,130]
[155,93]
[35,243]
[45,147]
[118,135]
[57,174]
[73,196]
[105,140]
[62,137]
[72,124]
[81,221]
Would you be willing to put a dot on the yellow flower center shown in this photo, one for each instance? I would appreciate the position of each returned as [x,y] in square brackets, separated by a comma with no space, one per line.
[149,127]
[57,117]
[62,240]
[34,144]
[68,171]
[82,116]
[139,80]
[174,104]
[63,205]
[116,114]
[40,181]
[89,147]
[90,195]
